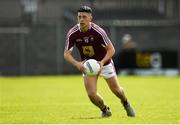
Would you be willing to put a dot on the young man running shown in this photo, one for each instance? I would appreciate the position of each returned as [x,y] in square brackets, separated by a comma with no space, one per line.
[93,43]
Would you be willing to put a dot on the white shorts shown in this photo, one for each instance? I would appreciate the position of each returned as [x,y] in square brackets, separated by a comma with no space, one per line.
[107,71]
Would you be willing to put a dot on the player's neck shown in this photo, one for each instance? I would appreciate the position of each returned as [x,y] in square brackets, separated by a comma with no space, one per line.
[84,29]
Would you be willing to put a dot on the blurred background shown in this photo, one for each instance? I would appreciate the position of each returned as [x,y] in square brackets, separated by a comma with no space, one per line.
[145,33]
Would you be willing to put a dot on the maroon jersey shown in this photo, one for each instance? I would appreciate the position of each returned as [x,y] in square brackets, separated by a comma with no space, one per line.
[91,44]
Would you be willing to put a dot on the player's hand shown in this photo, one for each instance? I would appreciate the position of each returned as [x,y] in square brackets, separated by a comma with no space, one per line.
[101,65]
[80,66]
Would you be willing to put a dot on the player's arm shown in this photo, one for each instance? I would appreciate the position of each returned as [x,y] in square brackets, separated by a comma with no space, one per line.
[69,58]
[109,54]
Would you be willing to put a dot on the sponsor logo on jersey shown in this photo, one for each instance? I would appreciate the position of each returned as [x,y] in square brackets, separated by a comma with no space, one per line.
[86,39]
[79,40]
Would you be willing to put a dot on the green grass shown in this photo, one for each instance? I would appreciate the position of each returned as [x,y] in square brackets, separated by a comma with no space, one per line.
[63,100]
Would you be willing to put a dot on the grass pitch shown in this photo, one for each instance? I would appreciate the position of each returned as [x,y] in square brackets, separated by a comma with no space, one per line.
[63,100]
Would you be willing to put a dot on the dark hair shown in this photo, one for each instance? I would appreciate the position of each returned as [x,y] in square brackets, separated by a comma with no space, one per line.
[86,9]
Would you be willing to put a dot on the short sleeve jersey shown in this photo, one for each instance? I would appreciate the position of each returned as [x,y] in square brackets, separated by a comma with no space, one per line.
[91,44]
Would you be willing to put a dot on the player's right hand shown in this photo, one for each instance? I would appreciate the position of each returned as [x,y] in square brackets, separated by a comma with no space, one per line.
[80,66]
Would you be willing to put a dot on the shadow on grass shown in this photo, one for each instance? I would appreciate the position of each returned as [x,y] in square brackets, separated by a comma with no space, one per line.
[87,117]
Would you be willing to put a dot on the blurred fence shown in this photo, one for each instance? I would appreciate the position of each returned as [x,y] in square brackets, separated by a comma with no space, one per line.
[35,47]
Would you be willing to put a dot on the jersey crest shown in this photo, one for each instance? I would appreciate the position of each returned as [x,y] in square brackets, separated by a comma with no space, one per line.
[88,51]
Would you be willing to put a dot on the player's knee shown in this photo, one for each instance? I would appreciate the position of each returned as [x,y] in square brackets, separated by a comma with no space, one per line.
[118,91]
[121,90]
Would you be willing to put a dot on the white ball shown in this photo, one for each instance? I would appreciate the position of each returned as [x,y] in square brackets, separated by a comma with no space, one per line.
[92,67]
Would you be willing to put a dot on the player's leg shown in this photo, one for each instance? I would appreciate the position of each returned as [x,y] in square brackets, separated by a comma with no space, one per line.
[109,73]
[91,89]
[116,88]
[119,92]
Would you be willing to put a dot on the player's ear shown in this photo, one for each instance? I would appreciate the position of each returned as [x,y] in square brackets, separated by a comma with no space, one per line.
[77,18]
[91,17]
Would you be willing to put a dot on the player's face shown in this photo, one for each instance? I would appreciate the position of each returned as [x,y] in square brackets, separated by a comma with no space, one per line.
[84,20]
